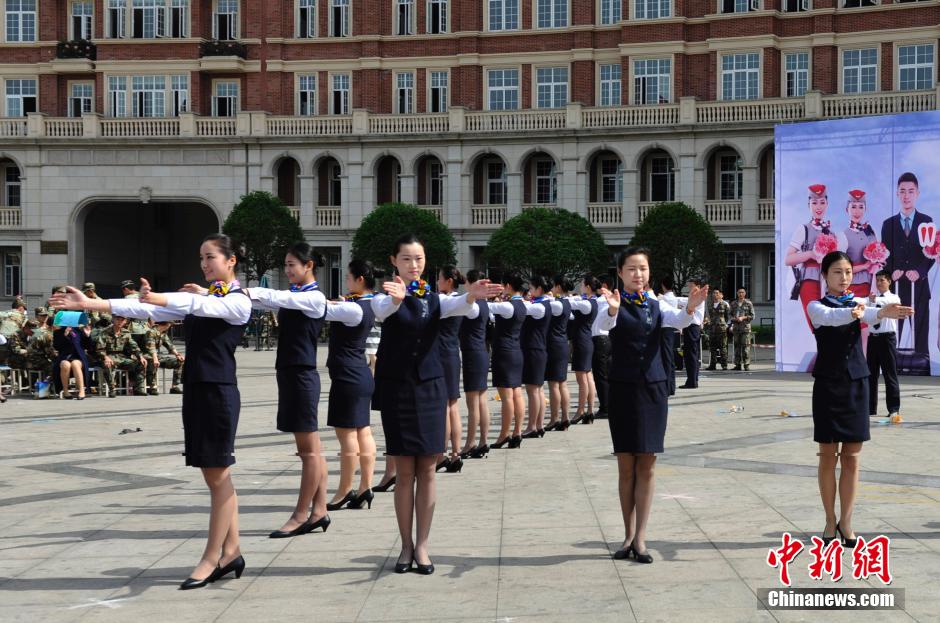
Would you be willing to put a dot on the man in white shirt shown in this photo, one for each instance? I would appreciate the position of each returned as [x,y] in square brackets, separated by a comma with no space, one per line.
[882,349]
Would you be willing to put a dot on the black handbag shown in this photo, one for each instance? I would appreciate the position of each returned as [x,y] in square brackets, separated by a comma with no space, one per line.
[798,271]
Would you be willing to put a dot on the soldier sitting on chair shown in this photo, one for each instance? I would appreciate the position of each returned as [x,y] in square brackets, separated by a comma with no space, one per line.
[40,353]
[19,345]
[118,350]
[158,337]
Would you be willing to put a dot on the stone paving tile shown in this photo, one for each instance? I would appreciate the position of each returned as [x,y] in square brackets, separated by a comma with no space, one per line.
[98,526]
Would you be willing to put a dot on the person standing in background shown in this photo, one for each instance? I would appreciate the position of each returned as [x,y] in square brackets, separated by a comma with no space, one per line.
[717,321]
[692,341]
[882,351]
[742,313]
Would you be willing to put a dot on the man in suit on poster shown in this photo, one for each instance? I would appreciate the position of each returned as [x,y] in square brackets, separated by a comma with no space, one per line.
[907,263]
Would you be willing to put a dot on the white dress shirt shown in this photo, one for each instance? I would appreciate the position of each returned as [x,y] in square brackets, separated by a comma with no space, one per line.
[312,303]
[233,309]
[824,316]
[672,316]
[384,306]
[885,325]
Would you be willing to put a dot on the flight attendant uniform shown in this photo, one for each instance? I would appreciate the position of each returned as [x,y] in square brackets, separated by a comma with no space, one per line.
[476,360]
[556,369]
[582,347]
[450,353]
[507,350]
[351,382]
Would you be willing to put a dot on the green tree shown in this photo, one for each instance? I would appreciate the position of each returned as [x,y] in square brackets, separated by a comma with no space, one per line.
[682,244]
[376,236]
[266,229]
[548,242]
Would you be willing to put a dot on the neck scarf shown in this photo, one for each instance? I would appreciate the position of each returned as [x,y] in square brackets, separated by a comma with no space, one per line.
[820,225]
[636,298]
[305,288]
[221,288]
[846,299]
[419,288]
[356,297]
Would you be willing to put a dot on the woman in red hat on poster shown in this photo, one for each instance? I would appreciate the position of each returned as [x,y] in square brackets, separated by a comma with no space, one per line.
[860,243]
[809,244]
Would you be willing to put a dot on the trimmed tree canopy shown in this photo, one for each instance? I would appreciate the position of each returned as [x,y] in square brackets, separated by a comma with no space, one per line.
[266,229]
[548,242]
[376,236]
[682,244]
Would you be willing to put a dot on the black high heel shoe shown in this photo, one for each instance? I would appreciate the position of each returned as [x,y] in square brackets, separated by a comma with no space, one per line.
[501,444]
[847,542]
[466,454]
[646,559]
[303,528]
[323,522]
[427,569]
[404,567]
[365,497]
[455,466]
[828,539]
[532,434]
[383,487]
[515,441]
[588,418]
[552,426]
[576,419]
[480,452]
[237,565]
[442,463]
[623,554]
[541,432]
[335,506]
[563,426]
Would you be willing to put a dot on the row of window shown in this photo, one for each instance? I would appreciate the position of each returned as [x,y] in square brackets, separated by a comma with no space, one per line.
[150,19]
[740,79]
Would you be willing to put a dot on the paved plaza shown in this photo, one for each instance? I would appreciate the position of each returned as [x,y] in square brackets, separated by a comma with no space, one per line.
[101,526]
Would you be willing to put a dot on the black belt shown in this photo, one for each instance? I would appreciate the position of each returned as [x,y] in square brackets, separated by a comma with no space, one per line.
[885,334]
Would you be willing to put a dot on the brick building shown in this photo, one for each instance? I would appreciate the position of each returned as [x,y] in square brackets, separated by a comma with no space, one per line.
[119,117]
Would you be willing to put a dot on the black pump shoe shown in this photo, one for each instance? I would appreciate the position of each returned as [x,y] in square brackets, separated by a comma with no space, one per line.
[480,452]
[427,569]
[499,445]
[847,542]
[455,466]
[643,558]
[532,434]
[237,566]
[443,463]
[335,506]
[383,487]
[515,441]
[404,567]
[365,497]
[303,528]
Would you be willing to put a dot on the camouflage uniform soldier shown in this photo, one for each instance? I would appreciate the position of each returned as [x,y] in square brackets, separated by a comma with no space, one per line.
[40,354]
[117,349]
[718,315]
[95,318]
[19,345]
[742,313]
[159,337]
[137,328]
[268,322]
[13,320]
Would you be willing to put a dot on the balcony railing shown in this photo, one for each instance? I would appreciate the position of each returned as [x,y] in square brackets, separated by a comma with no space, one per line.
[437,211]
[605,214]
[643,209]
[295,212]
[723,212]
[487,216]
[11,217]
[329,217]
[688,112]
[544,206]
[766,210]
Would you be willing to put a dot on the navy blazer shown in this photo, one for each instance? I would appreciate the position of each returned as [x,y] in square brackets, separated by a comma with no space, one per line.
[409,346]
[636,344]
[906,252]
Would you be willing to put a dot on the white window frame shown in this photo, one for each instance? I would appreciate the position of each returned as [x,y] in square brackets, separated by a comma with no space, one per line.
[233,19]
[802,6]
[540,177]
[86,101]
[152,13]
[536,69]
[82,24]
[918,64]
[609,12]
[307,96]
[22,85]
[503,88]
[740,6]
[606,87]
[404,13]
[500,181]
[641,9]
[345,10]
[508,20]
[347,103]
[443,101]
[670,176]
[181,21]
[784,80]
[217,99]
[117,104]
[557,14]
[23,22]
[404,93]
[116,17]
[178,101]
[636,76]
[843,68]
[12,262]
[432,182]
[617,178]
[443,17]
[148,90]
[735,73]
[844,4]
[6,185]
[738,179]
[310,8]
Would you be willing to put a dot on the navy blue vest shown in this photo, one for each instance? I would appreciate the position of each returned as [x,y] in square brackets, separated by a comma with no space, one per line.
[409,345]
[839,349]
[210,348]
[508,329]
[299,334]
[535,330]
[580,328]
[347,357]
[448,335]
[473,330]
[558,327]
[636,344]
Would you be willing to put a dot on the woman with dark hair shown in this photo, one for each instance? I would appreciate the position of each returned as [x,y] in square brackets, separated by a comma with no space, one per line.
[410,390]
[351,386]
[476,366]
[449,281]
[638,391]
[301,312]
[214,320]
[71,345]
[586,310]
[556,369]
[840,389]
[534,341]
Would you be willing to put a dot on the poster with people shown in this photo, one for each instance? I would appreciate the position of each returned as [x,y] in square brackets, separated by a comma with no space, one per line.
[869,187]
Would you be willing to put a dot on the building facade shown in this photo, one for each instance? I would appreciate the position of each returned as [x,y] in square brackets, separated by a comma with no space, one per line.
[128,128]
